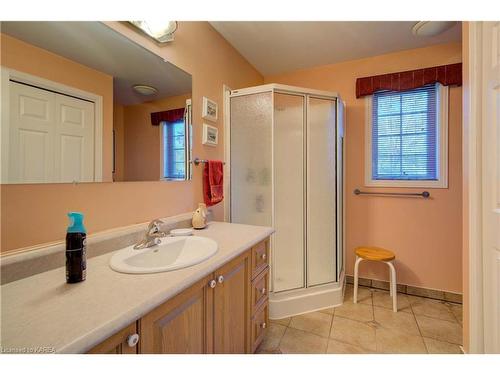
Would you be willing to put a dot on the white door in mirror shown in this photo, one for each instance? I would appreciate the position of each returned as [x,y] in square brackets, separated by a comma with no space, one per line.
[170,254]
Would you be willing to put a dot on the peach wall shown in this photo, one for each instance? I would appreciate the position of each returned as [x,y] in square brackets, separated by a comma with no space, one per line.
[425,234]
[197,49]
[142,140]
[27,58]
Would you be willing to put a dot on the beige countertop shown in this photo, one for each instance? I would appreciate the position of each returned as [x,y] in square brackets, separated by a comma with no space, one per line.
[43,313]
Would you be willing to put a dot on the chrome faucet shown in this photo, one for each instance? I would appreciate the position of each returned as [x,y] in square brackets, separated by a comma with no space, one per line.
[152,235]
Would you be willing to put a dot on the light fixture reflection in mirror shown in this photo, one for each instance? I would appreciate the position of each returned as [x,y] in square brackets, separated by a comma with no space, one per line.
[161,31]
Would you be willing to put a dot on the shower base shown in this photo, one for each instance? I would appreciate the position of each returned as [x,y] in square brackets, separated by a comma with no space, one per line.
[304,300]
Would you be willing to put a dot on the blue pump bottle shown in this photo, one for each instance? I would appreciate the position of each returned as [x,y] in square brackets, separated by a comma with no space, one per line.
[76,249]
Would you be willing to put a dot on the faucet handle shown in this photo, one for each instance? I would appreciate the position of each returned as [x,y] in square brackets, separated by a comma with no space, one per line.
[154,226]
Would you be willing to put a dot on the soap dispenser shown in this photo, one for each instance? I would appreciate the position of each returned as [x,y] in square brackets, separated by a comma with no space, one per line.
[200,216]
[76,249]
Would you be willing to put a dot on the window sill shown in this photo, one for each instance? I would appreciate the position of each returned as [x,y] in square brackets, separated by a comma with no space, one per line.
[439,184]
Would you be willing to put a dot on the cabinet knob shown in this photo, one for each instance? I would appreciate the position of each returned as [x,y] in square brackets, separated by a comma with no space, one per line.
[212,284]
[263,291]
[220,279]
[132,340]
[263,325]
[263,256]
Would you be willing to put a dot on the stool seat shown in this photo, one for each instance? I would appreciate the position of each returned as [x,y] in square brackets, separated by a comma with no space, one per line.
[375,253]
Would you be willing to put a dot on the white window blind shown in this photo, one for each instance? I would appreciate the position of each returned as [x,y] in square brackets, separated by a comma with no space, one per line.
[405,144]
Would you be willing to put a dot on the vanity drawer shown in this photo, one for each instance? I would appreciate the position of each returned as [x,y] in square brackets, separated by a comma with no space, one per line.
[260,257]
[259,325]
[260,289]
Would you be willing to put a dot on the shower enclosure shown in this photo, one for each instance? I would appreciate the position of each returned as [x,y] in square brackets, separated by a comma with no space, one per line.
[286,158]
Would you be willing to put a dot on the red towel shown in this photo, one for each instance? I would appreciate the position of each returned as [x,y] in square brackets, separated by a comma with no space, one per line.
[213,182]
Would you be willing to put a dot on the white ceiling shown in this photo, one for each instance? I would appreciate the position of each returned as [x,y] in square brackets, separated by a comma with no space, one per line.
[95,45]
[278,47]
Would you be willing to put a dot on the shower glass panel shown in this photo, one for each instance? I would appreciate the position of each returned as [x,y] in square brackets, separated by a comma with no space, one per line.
[321,183]
[288,245]
[251,159]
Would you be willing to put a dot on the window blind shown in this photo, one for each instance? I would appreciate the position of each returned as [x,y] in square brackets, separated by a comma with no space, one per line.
[174,150]
[405,135]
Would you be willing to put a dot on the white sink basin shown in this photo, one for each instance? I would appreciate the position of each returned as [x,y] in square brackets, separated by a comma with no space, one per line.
[171,254]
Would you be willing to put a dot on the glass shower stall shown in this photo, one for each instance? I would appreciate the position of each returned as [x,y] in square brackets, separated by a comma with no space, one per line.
[286,171]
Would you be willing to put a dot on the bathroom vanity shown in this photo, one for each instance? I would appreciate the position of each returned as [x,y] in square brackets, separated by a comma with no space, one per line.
[217,306]
[224,312]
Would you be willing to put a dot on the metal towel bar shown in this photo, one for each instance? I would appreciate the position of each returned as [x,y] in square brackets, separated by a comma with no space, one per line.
[198,161]
[424,194]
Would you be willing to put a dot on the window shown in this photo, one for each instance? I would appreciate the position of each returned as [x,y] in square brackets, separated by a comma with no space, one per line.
[174,150]
[407,138]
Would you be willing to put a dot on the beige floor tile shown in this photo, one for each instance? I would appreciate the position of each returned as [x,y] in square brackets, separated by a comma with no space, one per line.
[383,299]
[315,322]
[273,337]
[284,322]
[364,294]
[402,321]
[457,311]
[441,347]
[431,308]
[397,341]
[441,330]
[358,311]
[337,347]
[300,342]
[353,332]
[329,310]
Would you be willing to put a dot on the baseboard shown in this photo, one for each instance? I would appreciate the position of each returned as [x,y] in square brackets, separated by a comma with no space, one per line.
[409,289]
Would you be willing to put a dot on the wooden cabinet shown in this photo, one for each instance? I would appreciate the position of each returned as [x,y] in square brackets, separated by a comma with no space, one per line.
[225,312]
[181,325]
[119,343]
[232,307]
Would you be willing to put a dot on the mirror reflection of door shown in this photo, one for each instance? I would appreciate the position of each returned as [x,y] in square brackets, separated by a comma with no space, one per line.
[80,112]
[51,136]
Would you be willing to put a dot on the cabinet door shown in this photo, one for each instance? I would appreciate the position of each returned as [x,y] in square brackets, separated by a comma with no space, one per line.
[183,324]
[232,306]
[118,343]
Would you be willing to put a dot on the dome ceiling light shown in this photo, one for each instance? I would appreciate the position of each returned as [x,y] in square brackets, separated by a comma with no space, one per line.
[431,28]
[145,90]
[161,31]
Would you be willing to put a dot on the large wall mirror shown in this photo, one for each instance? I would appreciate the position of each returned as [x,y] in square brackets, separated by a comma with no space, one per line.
[83,103]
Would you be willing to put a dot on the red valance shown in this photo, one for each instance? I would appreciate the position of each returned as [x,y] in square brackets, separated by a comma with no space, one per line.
[411,79]
[172,115]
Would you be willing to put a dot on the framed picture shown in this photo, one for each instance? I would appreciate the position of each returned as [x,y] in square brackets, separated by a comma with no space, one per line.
[210,135]
[209,109]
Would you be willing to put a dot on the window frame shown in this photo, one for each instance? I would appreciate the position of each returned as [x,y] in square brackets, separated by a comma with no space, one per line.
[442,126]
[162,127]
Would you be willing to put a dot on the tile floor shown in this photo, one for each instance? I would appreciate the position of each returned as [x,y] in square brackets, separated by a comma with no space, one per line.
[421,325]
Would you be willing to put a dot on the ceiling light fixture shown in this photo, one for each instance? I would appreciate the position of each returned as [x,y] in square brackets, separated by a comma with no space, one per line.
[145,90]
[161,31]
[431,28]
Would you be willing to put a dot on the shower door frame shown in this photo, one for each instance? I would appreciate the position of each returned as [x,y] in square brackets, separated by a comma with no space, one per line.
[306,94]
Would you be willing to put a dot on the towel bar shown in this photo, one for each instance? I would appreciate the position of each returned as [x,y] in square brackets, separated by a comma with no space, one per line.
[198,161]
[424,194]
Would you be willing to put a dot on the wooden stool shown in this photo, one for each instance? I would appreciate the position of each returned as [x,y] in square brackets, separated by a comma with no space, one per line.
[380,255]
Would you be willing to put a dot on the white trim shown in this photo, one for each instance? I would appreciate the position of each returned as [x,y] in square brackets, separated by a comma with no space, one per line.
[472,172]
[226,108]
[7,74]
[161,125]
[442,183]
[283,88]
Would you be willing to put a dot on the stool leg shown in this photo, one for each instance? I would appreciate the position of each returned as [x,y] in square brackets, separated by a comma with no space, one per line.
[390,283]
[356,266]
[393,286]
